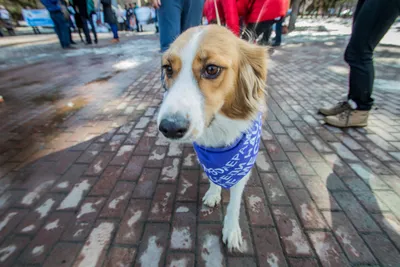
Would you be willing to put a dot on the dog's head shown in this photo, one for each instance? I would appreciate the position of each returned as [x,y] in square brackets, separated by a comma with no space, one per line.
[209,71]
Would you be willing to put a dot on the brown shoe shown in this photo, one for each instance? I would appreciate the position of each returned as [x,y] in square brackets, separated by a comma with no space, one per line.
[336,109]
[114,41]
[349,118]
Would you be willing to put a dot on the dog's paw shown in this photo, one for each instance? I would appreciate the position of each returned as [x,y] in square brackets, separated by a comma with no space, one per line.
[232,236]
[212,198]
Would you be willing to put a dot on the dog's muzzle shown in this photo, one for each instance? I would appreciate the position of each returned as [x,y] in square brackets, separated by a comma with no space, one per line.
[174,126]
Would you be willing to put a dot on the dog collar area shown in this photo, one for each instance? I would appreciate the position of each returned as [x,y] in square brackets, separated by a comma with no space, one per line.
[226,166]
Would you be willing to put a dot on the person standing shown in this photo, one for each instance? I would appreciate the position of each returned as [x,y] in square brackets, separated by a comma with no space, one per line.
[134,8]
[175,17]
[91,13]
[5,21]
[259,16]
[60,23]
[129,15]
[81,8]
[143,16]
[111,18]
[372,20]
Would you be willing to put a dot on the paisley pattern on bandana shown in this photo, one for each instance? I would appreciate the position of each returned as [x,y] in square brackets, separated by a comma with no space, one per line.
[226,166]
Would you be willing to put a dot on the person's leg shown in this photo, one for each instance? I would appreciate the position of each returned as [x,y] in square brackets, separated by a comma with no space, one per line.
[86,29]
[91,21]
[169,22]
[373,19]
[266,29]
[80,34]
[137,24]
[278,33]
[65,31]
[192,13]
[114,29]
[55,18]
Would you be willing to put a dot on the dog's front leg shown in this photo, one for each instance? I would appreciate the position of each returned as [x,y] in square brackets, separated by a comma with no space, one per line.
[212,196]
[231,233]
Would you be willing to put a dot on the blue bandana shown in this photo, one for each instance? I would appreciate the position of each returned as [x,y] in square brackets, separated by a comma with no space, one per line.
[226,166]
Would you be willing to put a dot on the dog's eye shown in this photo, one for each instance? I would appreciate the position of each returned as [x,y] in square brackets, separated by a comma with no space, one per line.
[168,70]
[211,72]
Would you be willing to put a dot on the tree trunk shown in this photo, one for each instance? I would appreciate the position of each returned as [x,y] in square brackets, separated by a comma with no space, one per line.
[293,16]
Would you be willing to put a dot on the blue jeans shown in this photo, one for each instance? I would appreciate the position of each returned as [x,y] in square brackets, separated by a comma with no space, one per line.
[175,17]
[114,29]
[61,28]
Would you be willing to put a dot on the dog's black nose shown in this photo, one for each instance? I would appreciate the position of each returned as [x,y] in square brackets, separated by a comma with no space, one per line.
[174,128]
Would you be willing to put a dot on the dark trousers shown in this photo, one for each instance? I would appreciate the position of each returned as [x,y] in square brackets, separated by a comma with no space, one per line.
[128,23]
[61,28]
[86,29]
[278,32]
[175,17]
[372,19]
[263,27]
[93,27]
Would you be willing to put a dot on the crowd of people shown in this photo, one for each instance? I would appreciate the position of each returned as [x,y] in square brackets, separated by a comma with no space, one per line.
[83,16]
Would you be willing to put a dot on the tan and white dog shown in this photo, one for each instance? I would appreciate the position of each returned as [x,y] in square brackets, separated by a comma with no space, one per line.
[214,91]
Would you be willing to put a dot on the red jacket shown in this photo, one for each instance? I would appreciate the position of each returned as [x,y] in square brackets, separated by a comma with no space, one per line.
[227,11]
[261,10]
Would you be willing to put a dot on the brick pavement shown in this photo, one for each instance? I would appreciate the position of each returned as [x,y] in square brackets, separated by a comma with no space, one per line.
[105,189]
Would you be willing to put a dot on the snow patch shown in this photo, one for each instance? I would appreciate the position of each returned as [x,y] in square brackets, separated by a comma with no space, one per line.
[88,208]
[135,218]
[297,239]
[6,252]
[171,172]
[179,263]
[52,225]
[97,242]
[123,150]
[182,209]
[255,203]
[44,209]
[28,228]
[7,219]
[181,238]
[75,196]
[344,237]
[36,251]
[162,205]
[29,198]
[174,150]
[211,251]
[273,260]
[63,185]
[305,212]
[152,255]
[114,203]
[185,185]
[188,161]
[97,167]
[155,156]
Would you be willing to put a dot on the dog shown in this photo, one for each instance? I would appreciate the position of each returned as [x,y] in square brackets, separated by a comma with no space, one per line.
[215,97]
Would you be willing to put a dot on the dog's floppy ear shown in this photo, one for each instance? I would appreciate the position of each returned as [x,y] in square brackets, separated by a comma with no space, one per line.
[251,80]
